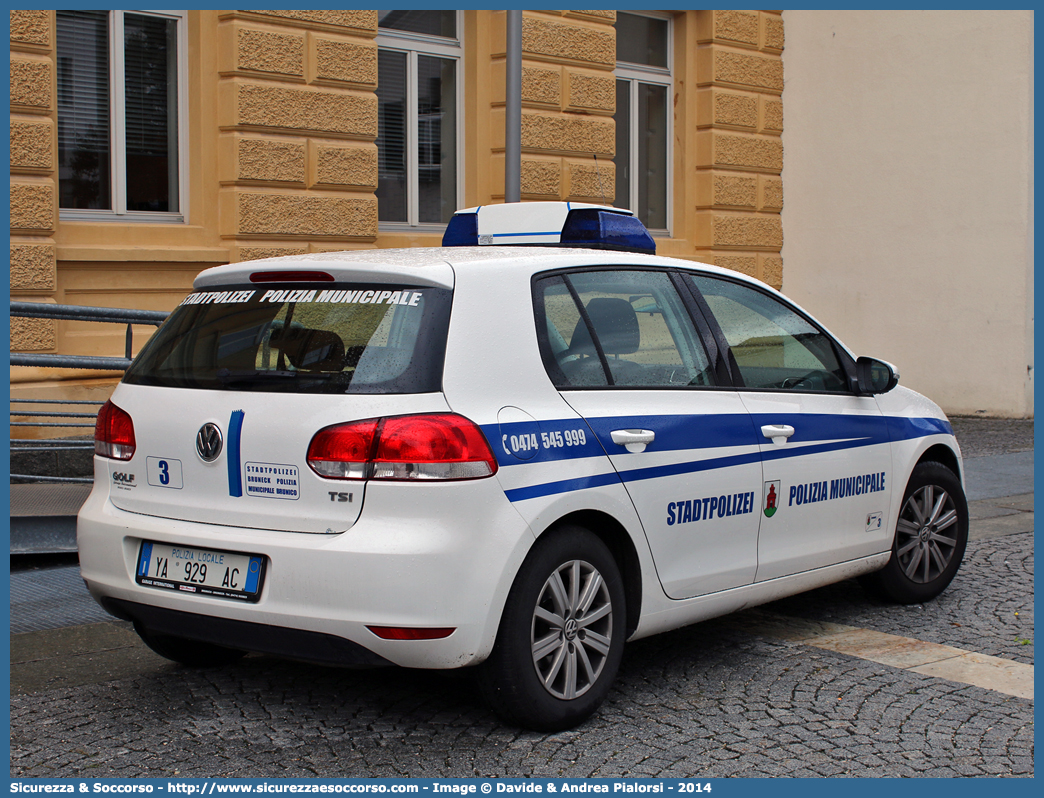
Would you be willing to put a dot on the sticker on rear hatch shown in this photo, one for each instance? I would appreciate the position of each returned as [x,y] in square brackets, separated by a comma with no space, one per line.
[218,297]
[164,472]
[272,481]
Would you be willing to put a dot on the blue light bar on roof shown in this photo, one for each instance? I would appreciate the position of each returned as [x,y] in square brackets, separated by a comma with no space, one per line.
[564,224]
[462,230]
[601,229]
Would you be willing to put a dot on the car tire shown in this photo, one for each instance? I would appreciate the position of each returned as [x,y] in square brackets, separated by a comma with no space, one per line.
[190,653]
[929,541]
[561,636]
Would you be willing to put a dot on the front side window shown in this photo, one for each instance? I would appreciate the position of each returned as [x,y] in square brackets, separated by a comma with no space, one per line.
[418,74]
[622,328]
[118,114]
[775,348]
[350,338]
[643,119]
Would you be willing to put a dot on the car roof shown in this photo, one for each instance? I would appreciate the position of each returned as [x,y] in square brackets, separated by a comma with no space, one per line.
[438,266]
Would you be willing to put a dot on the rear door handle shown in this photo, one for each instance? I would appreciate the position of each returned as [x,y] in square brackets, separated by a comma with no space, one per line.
[777,432]
[633,440]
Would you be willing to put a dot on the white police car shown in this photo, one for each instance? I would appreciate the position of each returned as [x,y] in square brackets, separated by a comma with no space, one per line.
[513,456]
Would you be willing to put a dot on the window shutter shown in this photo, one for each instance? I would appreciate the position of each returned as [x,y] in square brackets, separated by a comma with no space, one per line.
[391,136]
[84,162]
[150,52]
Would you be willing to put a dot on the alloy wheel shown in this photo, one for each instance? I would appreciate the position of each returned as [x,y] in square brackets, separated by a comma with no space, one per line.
[926,534]
[572,629]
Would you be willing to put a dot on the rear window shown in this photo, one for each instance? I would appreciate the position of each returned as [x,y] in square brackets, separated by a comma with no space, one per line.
[294,338]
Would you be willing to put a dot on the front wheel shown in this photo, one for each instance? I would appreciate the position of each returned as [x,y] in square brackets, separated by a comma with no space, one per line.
[930,538]
[561,636]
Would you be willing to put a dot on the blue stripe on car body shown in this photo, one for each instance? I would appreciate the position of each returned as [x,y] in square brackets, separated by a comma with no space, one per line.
[819,433]
[235,433]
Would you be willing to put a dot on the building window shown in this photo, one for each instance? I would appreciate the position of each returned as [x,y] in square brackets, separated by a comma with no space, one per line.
[418,138]
[120,136]
[643,119]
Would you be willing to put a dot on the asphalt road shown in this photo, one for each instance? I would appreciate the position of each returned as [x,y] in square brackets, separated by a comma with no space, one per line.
[800,687]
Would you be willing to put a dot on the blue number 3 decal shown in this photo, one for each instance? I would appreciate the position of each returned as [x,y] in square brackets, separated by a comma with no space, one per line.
[164,476]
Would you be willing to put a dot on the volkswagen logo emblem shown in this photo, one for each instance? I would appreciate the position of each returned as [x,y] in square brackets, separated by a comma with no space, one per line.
[208,442]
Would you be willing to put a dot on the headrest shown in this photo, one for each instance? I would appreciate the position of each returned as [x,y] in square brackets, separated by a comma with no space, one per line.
[311,350]
[615,323]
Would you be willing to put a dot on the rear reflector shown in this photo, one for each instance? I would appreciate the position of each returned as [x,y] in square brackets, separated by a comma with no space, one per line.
[114,433]
[291,277]
[437,446]
[407,633]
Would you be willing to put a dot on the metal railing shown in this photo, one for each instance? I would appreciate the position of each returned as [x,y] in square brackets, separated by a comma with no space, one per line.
[39,310]
[68,419]
[42,445]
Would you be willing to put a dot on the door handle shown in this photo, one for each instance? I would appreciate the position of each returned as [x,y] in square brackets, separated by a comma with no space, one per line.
[633,440]
[777,432]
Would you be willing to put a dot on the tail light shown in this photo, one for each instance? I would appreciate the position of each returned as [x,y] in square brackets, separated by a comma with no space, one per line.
[422,447]
[114,433]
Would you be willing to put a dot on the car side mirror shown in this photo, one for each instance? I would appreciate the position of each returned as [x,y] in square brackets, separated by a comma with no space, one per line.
[875,376]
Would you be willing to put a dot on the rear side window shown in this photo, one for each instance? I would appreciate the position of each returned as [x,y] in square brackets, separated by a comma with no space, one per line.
[294,339]
[618,328]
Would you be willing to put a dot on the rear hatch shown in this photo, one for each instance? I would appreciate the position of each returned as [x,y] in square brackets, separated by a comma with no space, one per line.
[226,397]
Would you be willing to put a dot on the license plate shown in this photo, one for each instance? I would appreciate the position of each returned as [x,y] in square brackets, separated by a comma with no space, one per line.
[205,572]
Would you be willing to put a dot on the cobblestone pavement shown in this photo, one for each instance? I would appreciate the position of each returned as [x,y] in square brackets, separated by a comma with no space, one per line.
[987,608]
[710,700]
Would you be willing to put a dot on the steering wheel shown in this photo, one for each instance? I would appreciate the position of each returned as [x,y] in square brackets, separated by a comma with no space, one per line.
[795,382]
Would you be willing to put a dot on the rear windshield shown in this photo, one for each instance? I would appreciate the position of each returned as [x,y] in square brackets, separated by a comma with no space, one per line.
[297,338]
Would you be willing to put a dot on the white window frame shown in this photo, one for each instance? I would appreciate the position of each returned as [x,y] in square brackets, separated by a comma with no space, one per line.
[643,73]
[414,45]
[118,131]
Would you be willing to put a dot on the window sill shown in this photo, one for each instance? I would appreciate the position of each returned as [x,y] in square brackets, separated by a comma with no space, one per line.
[107,217]
[402,227]
[159,253]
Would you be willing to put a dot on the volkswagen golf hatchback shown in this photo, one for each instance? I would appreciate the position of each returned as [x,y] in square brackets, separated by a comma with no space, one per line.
[511,457]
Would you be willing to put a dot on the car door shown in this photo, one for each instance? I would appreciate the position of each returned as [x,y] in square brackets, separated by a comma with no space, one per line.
[825,450]
[622,347]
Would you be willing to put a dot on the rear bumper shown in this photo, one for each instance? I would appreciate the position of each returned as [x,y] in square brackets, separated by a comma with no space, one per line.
[413,559]
[297,644]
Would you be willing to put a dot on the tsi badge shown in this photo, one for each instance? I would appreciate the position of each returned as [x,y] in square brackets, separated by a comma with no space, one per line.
[874,521]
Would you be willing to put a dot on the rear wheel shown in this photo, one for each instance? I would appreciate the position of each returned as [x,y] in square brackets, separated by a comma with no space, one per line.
[561,636]
[930,538]
[191,653]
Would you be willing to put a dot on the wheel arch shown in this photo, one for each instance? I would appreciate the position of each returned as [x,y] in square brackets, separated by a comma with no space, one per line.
[613,534]
[944,455]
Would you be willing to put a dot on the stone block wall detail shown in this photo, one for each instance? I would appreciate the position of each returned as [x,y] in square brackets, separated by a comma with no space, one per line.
[738,145]
[297,119]
[33,197]
[568,101]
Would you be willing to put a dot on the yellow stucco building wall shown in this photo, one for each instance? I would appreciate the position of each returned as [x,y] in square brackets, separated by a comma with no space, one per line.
[280,156]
